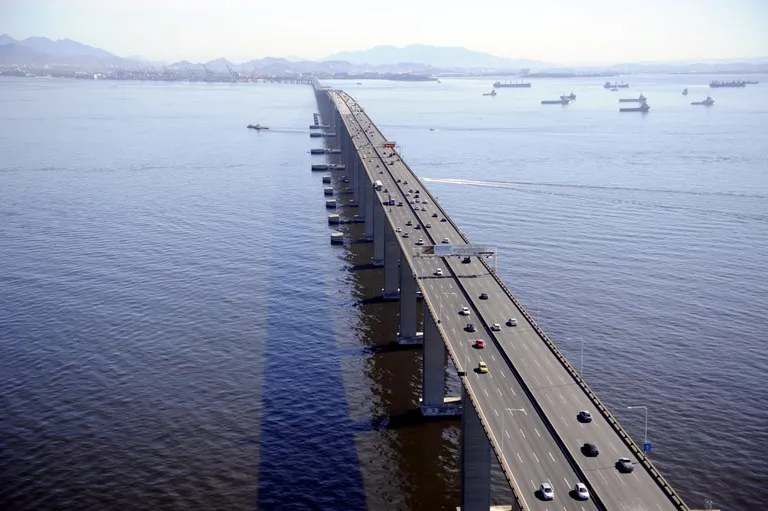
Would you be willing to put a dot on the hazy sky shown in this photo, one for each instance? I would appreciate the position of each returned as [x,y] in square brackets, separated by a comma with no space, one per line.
[558,31]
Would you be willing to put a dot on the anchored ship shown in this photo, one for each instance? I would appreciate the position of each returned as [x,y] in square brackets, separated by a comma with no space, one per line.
[562,101]
[716,84]
[257,127]
[609,85]
[643,107]
[707,102]
[508,85]
[639,99]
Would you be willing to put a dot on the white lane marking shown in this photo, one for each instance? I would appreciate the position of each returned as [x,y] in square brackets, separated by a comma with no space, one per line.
[537,362]
[562,398]
[564,421]
[496,412]
[537,458]
[534,486]
[507,433]
[550,380]
[486,393]
[525,363]
[566,482]
[537,380]
[549,398]
[537,432]
[550,455]
[522,433]
[513,391]
[604,479]
[612,446]
[503,375]
[658,506]
[494,358]
[518,457]
[500,392]
[619,478]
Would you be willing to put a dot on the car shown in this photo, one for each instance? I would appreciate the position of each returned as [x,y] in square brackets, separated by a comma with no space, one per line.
[511,322]
[470,327]
[585,416]
[398,179]
[398,229]
[405,182]
[409,223]
[434,215]
[416,199]
[464,311]
[410,190]
[443,219]
[418,227]
[412,202]
[439,272]
[420,242]
[406,235]
[581,491]
[386,190]
[547,493]
[590,450]
[483,296]
[424,202]
[466,260]
[482,367]
[423,209]
[496,327]
[400,203]
[625,465]
[428,226]
[479,344]
[445,240]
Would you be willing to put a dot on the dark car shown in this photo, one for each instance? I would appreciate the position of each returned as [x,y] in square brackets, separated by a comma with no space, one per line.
[590,450]
[625,465]
[585,416]
[443,219]
[434,215]
[483,296]
[466,260]
[470,327]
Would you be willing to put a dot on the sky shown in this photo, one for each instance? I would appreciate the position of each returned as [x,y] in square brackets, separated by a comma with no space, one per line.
[563,32]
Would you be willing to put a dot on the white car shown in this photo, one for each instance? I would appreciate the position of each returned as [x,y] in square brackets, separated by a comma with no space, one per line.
[464,311]
[420,242]
[496,327]
[398,229]
[581,491]
[439,272]
[511,322]
[446,240]
[547,493]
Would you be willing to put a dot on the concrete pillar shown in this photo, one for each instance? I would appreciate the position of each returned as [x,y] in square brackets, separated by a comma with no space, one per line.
[391,289]
[360,179]
[408,307]
[475,460]
[370,197]
[379,228]
[433,367]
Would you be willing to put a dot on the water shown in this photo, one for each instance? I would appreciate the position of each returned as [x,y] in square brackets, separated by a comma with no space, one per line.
[177,333]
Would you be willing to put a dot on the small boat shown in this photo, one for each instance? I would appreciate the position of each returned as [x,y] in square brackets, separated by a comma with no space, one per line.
[492,93]
[707,102]
[570,96]
[562,101]
[257,127]
[644,107]
[640,99]
[685,92]
[751,82]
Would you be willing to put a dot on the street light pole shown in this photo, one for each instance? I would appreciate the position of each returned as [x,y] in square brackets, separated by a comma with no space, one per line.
[645,433]
[581,364]
[510,410]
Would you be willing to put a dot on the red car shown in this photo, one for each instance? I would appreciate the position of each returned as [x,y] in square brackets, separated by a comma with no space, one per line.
[479,344]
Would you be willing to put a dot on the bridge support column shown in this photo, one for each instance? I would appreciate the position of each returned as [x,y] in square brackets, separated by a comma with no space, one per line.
[360,179]
[379,227]
[433,402]
[408,307]
[391,289]
[369,206]
[475,460]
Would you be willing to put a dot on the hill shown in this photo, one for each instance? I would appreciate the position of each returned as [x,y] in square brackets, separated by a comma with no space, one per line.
[436,56]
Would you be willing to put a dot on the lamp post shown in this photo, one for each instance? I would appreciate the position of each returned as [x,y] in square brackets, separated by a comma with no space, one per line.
[581,361]
[645,433]
[510,410]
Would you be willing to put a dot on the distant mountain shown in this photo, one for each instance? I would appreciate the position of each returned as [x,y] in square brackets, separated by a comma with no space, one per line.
[63,51]
[437,56]
[16,54]
[6,39]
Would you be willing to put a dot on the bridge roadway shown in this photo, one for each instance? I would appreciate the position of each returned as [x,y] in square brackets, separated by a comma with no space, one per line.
[531,449]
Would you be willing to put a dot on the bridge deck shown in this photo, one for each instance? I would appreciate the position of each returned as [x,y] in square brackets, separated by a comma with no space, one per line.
[544,443]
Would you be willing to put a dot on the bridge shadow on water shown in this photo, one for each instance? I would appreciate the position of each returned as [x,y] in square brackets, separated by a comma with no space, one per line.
[407,419]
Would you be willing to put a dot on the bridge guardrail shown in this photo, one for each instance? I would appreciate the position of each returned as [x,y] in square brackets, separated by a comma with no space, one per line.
[645,462]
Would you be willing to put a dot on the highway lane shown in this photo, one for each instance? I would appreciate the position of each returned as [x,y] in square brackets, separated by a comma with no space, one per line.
[553,387]
[527,448]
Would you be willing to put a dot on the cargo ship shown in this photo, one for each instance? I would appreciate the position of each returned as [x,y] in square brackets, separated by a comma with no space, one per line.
[492,93]
[643,107]
[609,85]
[511,85]
[562,101]
[707,102]
[716,84]
[640,99]
[257,127]
[570,96]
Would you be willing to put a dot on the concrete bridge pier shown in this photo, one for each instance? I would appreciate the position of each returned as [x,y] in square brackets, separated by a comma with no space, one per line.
[409,312]
[379,228]
[433,401]
[370,196]
[475,460]
[391,289]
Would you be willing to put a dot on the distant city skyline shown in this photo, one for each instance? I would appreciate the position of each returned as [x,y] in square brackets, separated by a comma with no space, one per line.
[561,32]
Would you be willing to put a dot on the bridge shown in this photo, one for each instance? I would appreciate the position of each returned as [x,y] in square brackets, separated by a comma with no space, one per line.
[524,410]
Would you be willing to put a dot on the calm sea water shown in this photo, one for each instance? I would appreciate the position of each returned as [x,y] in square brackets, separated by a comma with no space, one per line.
[176,331]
